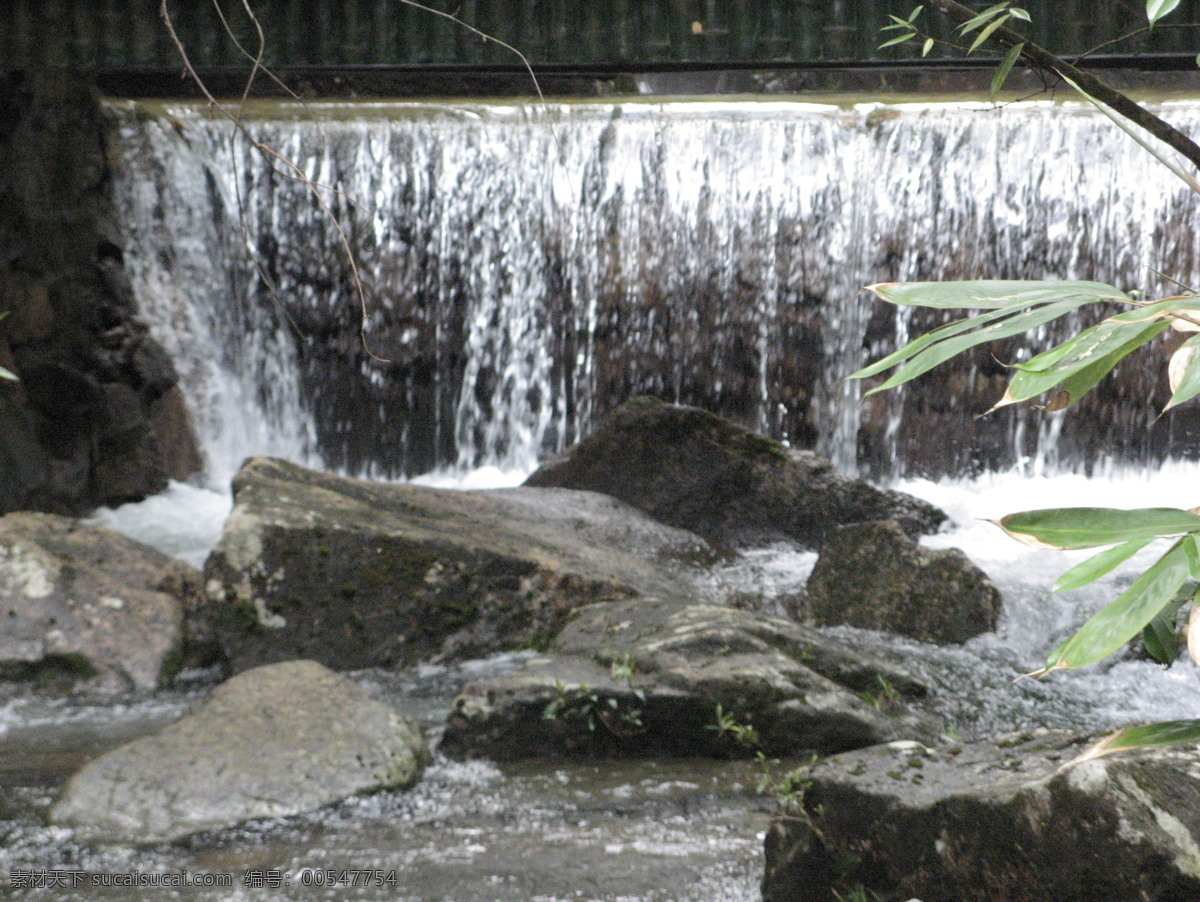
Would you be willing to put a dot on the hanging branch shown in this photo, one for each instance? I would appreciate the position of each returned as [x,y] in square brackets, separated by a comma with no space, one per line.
[1089,84]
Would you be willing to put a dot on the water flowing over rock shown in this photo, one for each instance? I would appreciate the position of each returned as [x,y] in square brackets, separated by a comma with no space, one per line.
[356,574]
[529,268]
[80,603]
[995,821]
[648,677]
[697,471]
[271,742]
[874,576]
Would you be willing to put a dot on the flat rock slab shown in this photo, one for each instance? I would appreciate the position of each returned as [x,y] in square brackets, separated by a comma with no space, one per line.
[271,742]
[995,821]
[875,576]
[83,603]
[357,574]
[646,677]
[694,470]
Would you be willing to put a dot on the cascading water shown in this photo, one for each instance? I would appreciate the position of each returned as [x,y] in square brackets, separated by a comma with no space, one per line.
[528,267]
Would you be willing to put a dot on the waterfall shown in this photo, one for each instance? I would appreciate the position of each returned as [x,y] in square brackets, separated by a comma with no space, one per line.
[528,267]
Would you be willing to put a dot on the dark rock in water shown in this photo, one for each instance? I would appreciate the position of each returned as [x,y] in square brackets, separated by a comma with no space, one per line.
[875,576]
[694,470]
[97,417]
[81,603]
[646,677]
[995,821]
[271,742]
[356,574]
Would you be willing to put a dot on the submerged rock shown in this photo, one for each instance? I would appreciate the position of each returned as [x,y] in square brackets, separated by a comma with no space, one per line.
[81,603]
[995,821]
[356,574]
[272,742]
[645,677]
[874,576]
[694,470]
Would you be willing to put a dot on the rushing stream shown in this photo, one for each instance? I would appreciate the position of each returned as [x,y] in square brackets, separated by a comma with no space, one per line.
[525,268]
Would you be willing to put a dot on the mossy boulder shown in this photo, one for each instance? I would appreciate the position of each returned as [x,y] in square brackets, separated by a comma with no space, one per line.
[1006,820]
[271,742]
[696,471]
[644,678]
[357,574]
[875,576]
[82,606]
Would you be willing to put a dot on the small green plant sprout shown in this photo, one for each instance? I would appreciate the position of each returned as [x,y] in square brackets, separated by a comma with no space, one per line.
[743,734]
[885,697]
[591,707]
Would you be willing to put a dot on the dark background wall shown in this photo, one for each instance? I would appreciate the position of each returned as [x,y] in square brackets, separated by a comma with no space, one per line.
[129,33]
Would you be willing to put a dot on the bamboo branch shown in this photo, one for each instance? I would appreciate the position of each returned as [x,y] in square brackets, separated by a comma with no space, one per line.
[1106,94]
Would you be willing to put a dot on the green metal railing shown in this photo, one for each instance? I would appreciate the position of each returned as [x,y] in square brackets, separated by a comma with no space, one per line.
[622,33]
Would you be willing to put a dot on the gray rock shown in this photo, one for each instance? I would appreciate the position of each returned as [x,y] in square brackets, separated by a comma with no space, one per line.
[644,677]
[82,602]
[995,821]
[271,742]
[356,574]
[874,576]
[694,470]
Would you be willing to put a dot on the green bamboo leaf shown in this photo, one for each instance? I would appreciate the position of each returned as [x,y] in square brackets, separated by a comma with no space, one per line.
[926,47]
[1146,736]
[1187,305]
[1096,350]
[1125,617]
[1184,373]
[1004,68]
[992,294]
[1072,528]
[949,330]
[943,350]
[1156,9]
[1087,378]
[987,32]
[971,24]
[1099,564]
[1018,13]
[1191,547]
[1160,636]
[899,40]
[912,16]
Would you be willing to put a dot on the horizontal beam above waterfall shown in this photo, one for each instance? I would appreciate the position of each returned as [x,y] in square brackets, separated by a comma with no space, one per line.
[1154,75]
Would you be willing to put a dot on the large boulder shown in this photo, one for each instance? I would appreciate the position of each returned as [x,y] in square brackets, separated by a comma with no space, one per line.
[97,416]
[646,677]
[1006,820]
[272,742]
[81,602]
[875,576]
[356,574]
[694,470]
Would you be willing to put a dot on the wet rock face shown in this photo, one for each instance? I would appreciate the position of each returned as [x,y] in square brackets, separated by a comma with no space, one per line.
[696,471]
[645,677]
[272,742]
[995,821]
[357,574]
[83,605]
[96,417]
[874,576]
